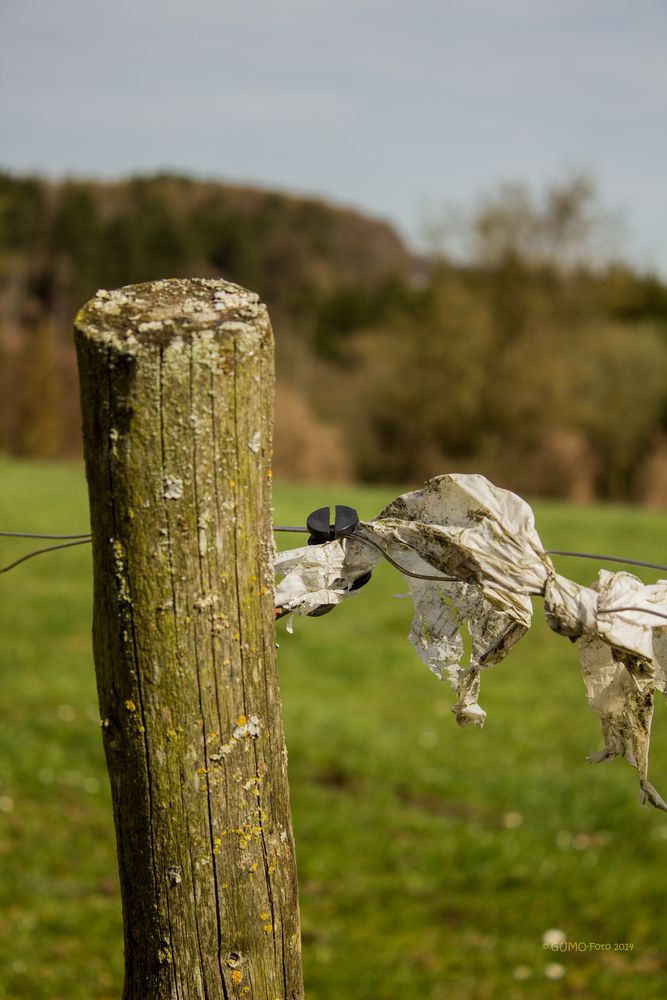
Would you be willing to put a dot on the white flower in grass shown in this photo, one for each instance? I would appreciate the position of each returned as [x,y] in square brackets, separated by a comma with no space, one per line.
[554,970]
[553,937]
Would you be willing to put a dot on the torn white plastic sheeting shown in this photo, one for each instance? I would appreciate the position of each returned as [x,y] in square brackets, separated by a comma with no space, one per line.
[623,654]
[620,689]
[311,574]
[444,612]
[321,574]
[468,528]
[464,527]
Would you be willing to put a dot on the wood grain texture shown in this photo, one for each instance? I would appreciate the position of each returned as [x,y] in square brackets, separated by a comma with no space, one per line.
[177,387]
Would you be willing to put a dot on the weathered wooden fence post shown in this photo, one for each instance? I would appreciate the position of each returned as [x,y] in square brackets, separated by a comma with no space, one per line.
[177,386]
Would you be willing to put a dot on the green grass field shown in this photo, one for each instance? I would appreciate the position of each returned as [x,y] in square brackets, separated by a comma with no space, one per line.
[432,859]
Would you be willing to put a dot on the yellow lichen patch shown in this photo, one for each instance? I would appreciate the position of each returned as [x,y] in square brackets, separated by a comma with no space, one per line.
[237,977]
[253,868]
[241,721]
[268,928]
[130,706]
[264,916]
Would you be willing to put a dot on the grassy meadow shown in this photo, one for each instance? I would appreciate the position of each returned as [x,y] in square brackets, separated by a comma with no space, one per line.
[432,859]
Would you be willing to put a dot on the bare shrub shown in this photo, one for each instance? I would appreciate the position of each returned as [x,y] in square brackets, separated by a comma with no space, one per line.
[561,464]
[653,482]
[305,448]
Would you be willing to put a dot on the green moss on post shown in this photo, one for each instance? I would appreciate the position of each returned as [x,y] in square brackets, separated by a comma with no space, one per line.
[176,388]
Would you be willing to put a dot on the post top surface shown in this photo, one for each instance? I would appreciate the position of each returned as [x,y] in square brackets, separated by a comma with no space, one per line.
[158,312]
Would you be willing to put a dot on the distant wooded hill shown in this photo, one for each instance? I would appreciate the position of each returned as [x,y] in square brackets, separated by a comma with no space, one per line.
[528,362]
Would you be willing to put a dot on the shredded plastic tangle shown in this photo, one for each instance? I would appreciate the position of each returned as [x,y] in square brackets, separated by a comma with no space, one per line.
[484,539]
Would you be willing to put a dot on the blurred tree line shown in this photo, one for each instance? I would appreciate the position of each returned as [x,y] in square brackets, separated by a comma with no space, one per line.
[520,351]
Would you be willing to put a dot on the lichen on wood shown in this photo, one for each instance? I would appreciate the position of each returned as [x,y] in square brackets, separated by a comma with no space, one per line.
[176,387]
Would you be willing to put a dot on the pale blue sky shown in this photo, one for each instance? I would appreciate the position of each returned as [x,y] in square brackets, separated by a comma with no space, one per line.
[395,107]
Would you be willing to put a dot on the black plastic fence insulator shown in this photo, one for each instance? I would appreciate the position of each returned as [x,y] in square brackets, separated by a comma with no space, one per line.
[323,529]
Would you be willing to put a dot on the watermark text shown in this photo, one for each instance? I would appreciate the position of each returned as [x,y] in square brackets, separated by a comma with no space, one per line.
[589,946]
